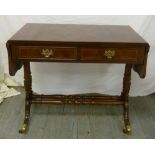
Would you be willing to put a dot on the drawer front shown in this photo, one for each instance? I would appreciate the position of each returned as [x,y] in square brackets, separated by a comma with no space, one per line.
[47,53]
[122,55]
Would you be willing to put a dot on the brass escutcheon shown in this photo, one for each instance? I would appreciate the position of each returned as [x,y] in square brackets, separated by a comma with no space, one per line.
[47,53]
[109,53]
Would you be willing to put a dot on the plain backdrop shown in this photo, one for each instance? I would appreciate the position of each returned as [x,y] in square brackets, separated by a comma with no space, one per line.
[82,78]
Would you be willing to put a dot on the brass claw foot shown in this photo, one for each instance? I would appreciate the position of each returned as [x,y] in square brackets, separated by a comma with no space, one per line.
[24,128]
[127,130]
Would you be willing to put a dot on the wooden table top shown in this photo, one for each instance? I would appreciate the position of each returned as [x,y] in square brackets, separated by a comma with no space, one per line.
[72,33]
[81,43]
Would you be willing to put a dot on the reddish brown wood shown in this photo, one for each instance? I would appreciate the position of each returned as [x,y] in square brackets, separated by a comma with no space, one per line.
[122,55]
[141,68]
[125,96]
[70,35]
[64,53]
[76,99]
[74,44]
[74,33]
[28,96]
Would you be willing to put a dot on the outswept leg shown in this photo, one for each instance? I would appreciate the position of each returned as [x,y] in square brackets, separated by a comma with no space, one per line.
[127,128]
[28,93]
[25,125]
[125,95]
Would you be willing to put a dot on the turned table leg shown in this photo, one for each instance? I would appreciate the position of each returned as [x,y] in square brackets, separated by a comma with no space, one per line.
[28,93]
[125,95]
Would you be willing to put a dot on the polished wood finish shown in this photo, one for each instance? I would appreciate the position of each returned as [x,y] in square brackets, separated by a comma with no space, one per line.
[28,96]
[77,44]
[76,99]
[122,55]
[70,35]
[125,95]
[65,53]
[74,33]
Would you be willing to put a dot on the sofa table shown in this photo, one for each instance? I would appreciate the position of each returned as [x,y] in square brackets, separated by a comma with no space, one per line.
[77,44]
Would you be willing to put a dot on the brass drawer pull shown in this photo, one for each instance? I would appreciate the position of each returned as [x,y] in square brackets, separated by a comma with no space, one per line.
[47,53]
[109,54]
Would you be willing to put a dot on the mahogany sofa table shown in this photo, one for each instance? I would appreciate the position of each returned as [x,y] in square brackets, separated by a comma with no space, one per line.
[77,44]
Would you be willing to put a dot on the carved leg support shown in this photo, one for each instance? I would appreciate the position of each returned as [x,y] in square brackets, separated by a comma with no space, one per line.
[125,95]
[28,93]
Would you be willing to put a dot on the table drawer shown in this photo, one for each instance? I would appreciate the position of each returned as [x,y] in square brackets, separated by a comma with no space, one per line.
[45,53]
[122,55]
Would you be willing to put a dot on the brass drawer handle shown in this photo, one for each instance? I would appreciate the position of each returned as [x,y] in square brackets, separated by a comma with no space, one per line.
[109,54]
[47,53]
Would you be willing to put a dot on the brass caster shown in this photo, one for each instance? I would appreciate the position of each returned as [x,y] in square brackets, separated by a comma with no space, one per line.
[127,130]
[24,128]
